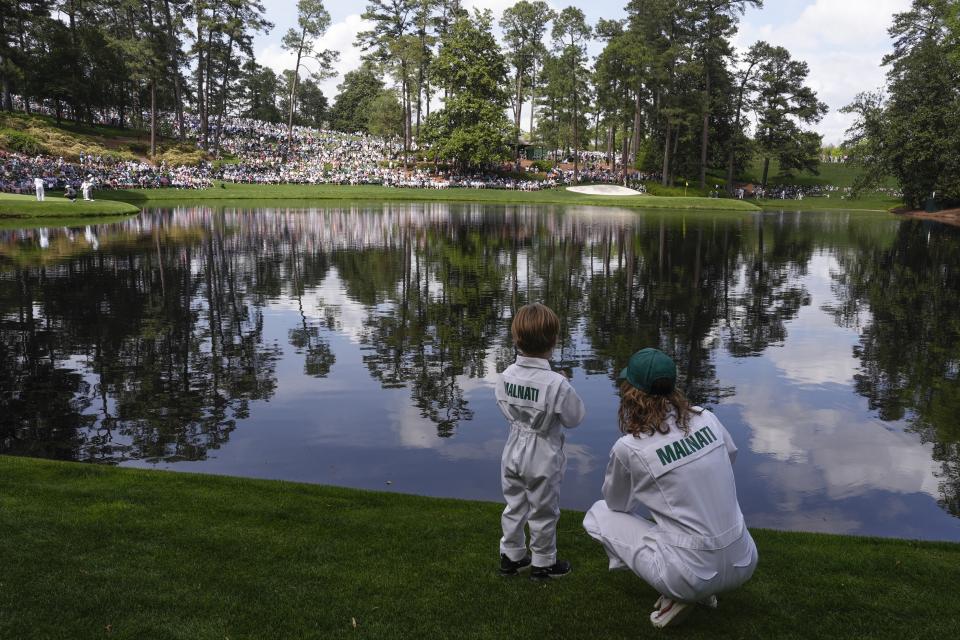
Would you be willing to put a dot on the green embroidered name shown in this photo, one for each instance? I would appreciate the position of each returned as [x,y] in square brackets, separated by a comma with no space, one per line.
[520,392]
[688,445]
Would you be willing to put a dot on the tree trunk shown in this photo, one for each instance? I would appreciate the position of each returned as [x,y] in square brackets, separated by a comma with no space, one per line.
[533,95]
[625,160]
[705,136]
[405,99]
[517,108]
[201,67]
[223,94]
[736,128]
[636,132]
[153,117]
[208,93]
[610,135]
[174,47]
[665,174]
[766,171]
[576,134]
[293,92]
[5,98]
[673,155]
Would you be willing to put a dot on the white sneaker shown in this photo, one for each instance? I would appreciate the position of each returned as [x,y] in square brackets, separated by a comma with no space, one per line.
[710,602]
[671,612]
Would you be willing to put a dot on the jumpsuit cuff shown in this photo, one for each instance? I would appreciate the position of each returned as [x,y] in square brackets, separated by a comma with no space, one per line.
[544,560]
[514,554]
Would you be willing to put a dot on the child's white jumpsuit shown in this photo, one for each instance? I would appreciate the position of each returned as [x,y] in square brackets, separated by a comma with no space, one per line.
[537,403]
[698,545]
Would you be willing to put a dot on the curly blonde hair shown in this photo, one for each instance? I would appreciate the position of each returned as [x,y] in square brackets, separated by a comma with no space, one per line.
[643,413]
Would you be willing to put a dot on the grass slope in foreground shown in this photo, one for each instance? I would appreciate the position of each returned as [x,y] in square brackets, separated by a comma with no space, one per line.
[94,552]
[240,192]
[26,208]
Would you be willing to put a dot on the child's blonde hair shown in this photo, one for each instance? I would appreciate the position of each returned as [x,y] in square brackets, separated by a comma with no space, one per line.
[644,413]
[535,329]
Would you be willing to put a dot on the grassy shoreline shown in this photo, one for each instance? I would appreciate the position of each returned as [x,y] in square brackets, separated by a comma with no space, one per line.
[21,208]
[92,551]
[241,192]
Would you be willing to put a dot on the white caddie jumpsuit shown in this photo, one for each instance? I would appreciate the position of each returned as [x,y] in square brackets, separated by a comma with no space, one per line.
[537,403]
[698,545]
[39,186]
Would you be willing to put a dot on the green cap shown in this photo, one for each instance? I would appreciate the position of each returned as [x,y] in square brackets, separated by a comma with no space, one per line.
[648,366]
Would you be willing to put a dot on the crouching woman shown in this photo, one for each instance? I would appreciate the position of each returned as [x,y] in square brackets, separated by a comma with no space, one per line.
[674,460]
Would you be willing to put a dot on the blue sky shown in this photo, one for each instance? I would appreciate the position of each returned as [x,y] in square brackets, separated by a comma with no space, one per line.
[843,41]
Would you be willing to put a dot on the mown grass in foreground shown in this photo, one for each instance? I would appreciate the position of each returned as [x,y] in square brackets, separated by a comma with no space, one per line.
[238,192]
[97,552]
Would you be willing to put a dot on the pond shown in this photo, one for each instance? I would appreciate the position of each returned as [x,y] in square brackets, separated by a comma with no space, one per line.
[357,345]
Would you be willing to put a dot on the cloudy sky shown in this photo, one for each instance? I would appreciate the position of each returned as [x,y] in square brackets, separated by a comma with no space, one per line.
[842,40]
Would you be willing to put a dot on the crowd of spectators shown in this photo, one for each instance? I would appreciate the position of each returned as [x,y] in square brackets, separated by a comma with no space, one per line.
[257,152]
[18,172]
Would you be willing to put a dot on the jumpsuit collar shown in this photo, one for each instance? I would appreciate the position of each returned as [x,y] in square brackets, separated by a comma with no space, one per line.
[536,363]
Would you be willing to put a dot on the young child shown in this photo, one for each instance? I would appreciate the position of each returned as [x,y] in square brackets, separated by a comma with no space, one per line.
[676,460]
[537,403]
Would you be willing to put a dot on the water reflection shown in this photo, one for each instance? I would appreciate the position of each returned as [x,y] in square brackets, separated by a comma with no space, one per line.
[336,345]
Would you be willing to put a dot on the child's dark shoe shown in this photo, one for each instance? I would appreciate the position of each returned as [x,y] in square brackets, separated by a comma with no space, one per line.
[510,567]
[557,570]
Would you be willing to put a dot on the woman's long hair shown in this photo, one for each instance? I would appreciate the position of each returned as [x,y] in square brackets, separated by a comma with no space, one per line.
[643,413]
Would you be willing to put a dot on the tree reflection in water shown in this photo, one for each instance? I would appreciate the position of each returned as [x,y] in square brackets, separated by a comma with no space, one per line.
[904,296]
[154,345]
[149,348]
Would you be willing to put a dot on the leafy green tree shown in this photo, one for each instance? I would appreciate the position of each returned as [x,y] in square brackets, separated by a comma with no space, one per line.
[524,25]
[260,88]
[472,129]
[385,115]
[313,21]
[914,134]
[717,25]
[357,92]
[619,76]
[570,34]
[783,103]
[391,42]
[312,107]
[745,87]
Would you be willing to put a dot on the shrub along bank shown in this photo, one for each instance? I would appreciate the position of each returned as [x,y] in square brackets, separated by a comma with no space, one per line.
[98,552]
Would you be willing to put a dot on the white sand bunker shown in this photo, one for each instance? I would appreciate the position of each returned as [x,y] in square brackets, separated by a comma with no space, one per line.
[605,190]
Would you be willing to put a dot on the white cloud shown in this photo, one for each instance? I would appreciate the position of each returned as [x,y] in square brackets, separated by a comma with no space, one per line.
[834,451]
[340,37]
[843,42]
[818,352]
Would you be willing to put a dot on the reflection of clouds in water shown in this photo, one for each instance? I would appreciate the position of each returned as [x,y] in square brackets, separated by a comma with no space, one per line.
[845,454]
[824,443]
[330,296]
[818,352]
[416,432]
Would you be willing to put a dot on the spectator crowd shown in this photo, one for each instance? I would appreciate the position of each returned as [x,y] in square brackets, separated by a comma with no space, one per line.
[257,152]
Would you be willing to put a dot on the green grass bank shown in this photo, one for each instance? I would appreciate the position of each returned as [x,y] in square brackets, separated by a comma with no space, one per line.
[98,552]
[57,210]
[867,203]
[242,193]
